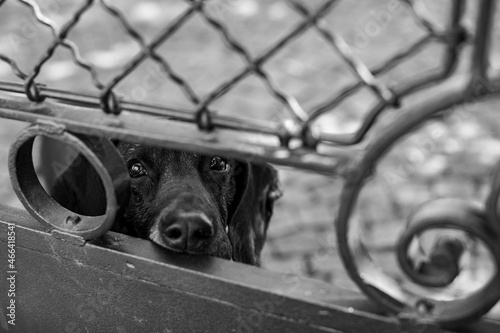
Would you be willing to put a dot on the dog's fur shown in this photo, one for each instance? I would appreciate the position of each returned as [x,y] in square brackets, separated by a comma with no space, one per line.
[182,203]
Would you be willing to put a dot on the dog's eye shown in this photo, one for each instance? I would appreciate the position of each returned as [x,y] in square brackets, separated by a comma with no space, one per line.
[136,169]
[218,164]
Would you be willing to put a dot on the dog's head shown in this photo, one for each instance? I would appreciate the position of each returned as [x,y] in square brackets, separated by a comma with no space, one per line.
[195,203]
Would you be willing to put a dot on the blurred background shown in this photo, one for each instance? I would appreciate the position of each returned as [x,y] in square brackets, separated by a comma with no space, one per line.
[445,158]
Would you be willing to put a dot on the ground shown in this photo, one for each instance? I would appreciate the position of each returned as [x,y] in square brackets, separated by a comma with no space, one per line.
[301,237]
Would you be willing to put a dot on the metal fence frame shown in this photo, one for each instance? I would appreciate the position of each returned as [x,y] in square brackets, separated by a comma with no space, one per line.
[293,141]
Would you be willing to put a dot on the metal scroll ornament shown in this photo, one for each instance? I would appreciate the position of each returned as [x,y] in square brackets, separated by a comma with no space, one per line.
[450,216]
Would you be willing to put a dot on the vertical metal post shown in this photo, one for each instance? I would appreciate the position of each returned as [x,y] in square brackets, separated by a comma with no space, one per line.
[482,42]
[459,35]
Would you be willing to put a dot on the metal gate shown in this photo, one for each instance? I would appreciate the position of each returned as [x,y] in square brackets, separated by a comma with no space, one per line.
[66,278]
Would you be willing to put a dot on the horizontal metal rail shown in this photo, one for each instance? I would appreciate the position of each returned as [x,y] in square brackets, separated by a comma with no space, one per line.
[184,136]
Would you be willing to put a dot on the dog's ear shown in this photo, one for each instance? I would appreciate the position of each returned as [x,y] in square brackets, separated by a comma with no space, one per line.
[257,188]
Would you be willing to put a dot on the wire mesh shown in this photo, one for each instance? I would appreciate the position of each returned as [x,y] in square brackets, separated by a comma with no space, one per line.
[296,123]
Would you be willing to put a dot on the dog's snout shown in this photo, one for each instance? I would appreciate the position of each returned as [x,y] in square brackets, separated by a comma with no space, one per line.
[187,231]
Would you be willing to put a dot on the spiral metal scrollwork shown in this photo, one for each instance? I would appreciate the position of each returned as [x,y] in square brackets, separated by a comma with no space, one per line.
[472,223]
[443,265]
[452,214]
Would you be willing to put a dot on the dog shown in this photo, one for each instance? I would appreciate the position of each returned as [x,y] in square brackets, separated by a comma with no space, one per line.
[184,202]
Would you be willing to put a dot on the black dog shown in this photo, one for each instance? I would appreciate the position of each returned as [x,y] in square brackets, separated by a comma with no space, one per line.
[182,201]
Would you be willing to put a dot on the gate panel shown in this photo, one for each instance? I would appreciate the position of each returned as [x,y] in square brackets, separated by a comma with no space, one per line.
[100,281]
[131,285]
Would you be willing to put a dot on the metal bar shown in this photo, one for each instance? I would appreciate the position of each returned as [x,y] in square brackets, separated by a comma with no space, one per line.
[182,136]
[92,101]
[482,42]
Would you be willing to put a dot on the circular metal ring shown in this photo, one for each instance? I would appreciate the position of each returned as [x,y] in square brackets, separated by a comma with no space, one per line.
[99,152]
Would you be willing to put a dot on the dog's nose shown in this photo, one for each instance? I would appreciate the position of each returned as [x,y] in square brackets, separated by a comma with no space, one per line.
[187,231]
